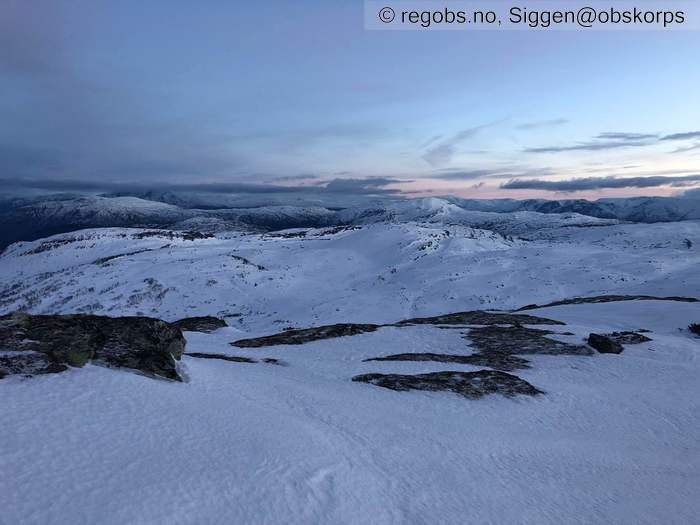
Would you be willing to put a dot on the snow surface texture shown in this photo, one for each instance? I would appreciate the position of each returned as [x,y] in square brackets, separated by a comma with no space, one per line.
[614,438]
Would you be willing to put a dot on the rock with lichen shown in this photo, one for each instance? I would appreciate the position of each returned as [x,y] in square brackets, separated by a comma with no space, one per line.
[37,344]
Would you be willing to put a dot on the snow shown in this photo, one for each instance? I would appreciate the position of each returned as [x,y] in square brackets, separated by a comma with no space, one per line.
[637,209]
[614,439]
[346,276]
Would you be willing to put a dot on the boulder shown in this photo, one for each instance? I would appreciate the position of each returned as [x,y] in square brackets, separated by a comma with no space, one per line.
[604,344]
[49,343]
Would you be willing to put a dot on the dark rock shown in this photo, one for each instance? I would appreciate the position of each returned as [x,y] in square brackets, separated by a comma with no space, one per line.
[195,235]
[609,299]
[235,358]
[248,262]
[305,335]
[149,346]
[519,340]
[628,338]
[184,235]
[479,317]
[498,346]
[104,260]
[497,361]
[287,235]
[604,344]
[694,328]
[223,357]
[200,324]
[274,361]
[28,364]
[471,385]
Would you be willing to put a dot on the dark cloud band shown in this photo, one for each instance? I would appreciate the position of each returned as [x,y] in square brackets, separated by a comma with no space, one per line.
[596,183]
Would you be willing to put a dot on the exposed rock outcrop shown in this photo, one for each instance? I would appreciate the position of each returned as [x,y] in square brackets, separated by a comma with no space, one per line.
[471,385]
[38,344]
[204,324]
[235,358]
[628,338]
[306,335]
[520,340]
[498,347]
[609,299]
[497,361]
[604,344]
[223,357]
[479,317]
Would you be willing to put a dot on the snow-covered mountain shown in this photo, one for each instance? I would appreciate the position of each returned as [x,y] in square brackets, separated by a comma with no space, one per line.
[442,211]
[633,209]
[32,218]
[37,218]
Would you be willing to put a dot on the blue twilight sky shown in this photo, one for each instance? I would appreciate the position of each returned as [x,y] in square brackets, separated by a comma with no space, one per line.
[298,93]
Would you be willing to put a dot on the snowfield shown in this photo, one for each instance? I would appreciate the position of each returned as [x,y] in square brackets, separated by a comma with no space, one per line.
[614,439]
[381,272]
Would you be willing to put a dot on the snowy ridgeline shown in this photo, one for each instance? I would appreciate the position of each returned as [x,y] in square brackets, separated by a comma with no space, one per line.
[33,218]
[586,438]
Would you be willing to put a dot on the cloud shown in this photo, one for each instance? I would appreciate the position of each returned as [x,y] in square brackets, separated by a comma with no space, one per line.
[510,172]
[442,152]
[430,141]
[543,124]
[30,40]
[596,183]
[686,135]
[302,176]
[617,139]
[21,160]
[692,147]
[78,185]
[589,146]
[619,135]
[369,186]
[463,174]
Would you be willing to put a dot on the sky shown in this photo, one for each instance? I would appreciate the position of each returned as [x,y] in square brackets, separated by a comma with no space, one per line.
[290,94]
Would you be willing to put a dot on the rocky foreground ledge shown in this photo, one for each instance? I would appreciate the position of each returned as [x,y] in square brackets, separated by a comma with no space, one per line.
[44,344]
[499,341]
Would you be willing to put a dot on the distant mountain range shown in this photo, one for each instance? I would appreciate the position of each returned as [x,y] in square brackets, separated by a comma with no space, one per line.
[633,209]
[28,219]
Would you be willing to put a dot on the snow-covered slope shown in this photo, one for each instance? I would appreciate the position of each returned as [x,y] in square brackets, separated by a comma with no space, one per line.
[612,438]
[322,276]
